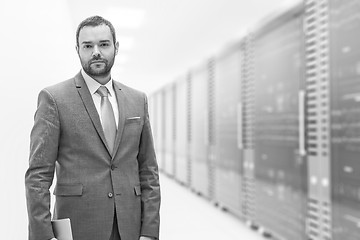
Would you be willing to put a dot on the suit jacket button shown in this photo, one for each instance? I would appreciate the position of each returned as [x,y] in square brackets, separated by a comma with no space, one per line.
[112,167]
[110,195]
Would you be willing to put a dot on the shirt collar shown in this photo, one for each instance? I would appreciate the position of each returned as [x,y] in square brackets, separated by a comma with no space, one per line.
[94,85]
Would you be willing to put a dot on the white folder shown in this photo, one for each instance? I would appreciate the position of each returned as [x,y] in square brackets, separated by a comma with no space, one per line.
[62,229]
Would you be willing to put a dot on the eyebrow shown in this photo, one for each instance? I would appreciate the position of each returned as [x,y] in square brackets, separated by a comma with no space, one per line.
[101,41]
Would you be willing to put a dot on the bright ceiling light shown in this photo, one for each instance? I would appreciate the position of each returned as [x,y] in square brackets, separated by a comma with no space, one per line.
[129,18]
[125,43]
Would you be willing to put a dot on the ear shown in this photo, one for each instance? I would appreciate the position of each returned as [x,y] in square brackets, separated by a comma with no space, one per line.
[77,49]
[116,48]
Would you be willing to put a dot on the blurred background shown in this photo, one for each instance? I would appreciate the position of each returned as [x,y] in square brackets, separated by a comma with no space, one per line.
[159,40]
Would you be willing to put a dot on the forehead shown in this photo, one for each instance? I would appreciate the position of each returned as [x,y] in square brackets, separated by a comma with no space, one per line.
[93,34]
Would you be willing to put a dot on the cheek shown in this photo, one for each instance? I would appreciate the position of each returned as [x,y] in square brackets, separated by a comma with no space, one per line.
[84,57]
[109,55]
[84,53]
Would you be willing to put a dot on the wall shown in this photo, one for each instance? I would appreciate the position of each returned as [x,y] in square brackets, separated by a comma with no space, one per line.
[37,49]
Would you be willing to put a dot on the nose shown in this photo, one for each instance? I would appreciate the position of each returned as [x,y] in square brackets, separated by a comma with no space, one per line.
[96,52]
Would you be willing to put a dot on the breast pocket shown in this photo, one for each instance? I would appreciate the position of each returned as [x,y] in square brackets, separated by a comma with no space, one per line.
[133,120]
[133,127]
[68,190]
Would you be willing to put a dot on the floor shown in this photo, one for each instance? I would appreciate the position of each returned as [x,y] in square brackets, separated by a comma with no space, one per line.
[185,215]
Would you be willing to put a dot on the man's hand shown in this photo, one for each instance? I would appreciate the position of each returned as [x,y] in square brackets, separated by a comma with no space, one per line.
[146,238]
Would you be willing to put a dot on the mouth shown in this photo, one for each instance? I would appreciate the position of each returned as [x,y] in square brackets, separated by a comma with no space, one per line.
[97,62]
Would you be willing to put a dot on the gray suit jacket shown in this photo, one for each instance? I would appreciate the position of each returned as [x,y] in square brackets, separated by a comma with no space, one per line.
[67,137]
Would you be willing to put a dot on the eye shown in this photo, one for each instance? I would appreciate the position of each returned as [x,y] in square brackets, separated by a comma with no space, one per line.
[104,44]
[87,46]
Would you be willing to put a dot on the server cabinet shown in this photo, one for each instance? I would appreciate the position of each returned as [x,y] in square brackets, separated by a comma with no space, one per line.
[318,119]
[246,130]
[152,117]
[345,118]
[159,130]
[182,163]
[199,141]
[169,126]
[228,124]
[280,169]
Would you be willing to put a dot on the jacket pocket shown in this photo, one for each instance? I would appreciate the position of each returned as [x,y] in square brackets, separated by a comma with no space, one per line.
[137,190]
[62,189]
[133,120]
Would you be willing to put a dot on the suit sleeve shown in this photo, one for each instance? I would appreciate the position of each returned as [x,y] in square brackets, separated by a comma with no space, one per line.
[149,180]
[44,141]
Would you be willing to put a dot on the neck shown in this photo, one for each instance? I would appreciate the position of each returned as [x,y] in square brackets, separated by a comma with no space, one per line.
[102,79]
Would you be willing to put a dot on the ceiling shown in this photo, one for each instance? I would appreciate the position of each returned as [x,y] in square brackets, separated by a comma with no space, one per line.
[163,39]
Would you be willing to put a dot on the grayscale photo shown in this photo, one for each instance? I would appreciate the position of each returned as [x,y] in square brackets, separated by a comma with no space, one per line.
[173,120]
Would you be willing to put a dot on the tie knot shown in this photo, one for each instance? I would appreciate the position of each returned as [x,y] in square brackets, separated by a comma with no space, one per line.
[102,91]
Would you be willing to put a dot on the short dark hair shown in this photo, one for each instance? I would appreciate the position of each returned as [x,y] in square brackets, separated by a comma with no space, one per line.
[95,21]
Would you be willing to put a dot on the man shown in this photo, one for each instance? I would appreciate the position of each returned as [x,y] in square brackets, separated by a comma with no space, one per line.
[95,133]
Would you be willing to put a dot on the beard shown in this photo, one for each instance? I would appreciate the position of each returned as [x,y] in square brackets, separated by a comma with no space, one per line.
[98,67]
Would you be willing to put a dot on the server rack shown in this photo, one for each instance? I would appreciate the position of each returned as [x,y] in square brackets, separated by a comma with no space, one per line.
[189,100]
[246,131]
[228,124]
[280,167]
[181,141]
[297,124]
[198,124]
[211,126]
[158,128]
[318,119]
[152,116]
[344,116]
[169,125]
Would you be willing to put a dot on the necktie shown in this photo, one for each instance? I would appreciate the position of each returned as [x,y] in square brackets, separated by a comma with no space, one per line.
[107,117]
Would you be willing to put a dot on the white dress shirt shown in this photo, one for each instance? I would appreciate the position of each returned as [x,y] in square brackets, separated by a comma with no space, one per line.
[93,86]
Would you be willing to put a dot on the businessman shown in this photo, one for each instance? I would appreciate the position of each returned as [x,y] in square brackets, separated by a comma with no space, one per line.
[95,134]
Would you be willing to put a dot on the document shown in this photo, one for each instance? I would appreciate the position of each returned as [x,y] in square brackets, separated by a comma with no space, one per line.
[62,229]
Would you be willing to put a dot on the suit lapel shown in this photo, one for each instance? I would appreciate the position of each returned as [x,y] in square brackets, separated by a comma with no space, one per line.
[89,105]
[121,105]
